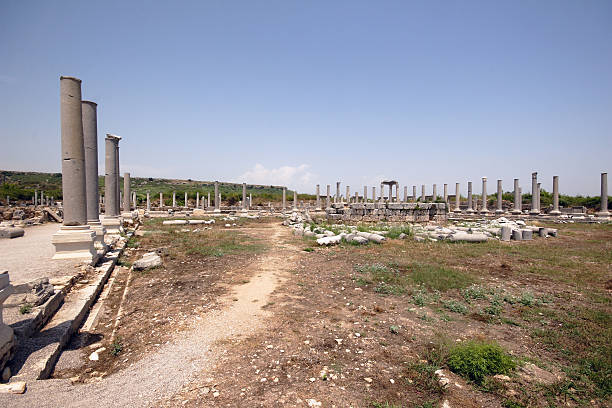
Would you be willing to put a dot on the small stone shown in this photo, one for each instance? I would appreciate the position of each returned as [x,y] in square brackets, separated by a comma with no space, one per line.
[17,387]
[94,356]
[216,394]
[368,380]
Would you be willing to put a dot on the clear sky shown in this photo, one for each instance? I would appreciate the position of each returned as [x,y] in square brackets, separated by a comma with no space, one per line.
[306,92]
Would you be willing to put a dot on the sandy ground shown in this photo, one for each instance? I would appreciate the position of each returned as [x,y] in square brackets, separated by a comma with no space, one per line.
[29,257]
[164,372]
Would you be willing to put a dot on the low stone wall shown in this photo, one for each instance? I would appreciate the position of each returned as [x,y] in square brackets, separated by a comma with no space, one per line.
[395,212]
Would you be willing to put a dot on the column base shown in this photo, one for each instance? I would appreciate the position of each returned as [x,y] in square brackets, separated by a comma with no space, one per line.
[499,211]
[470,211]
[484,212]
[99,229]
[553,212]
[534,212]
[517,212]
[113,225]
[457,210]
[74,242]
[603,214]
[217,210]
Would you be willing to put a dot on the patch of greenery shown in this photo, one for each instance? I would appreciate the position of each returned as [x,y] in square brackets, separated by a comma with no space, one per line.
[474,292]
[475,360]
[309,249]
[395,232]
[438,278]
[25,308]
[116,347]
[455,306]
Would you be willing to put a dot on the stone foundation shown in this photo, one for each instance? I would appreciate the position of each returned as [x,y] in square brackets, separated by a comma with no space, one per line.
[393,212]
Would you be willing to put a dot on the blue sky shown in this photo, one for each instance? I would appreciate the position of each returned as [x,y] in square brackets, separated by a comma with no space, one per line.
[307,92]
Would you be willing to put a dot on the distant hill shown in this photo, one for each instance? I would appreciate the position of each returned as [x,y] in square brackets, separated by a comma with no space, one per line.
[19,185]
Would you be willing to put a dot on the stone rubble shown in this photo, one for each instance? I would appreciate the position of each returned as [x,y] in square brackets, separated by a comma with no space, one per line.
[148,260]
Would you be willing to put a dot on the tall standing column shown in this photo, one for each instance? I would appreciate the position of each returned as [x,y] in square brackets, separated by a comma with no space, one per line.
[397,196]
[161,201]
[423,192]
[327,198]
[434,193]
[555,210]
[126,193]
[382,192]
[348,194]
[518,205]
[197,204]
[414,197]
[603,208]
[373,194]
[534,194]
[405,194]
[244,197]
[318,197]
[90,142]
[186,200]
[208,200]
[470,209]
[500,193]
[111,193]
[294,200]
[445,193]
[483,209]
[538,196]
[217,201]
[174,199]
[365,194]
[75,239]
[337,199]
[457,199]
[284,198]
[148,202]
[134,201]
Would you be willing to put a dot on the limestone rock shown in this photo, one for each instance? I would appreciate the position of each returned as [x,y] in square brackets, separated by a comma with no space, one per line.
[148,260]
[11,232]
[17,387]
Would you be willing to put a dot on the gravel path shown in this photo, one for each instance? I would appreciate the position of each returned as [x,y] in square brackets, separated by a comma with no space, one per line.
[162,374]
[29,257]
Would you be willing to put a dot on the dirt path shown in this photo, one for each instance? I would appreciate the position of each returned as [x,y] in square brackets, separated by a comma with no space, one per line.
[163,373]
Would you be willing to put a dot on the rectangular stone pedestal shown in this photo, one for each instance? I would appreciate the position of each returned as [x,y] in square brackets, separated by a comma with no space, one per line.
[113,225]
[74,242]
[99,229]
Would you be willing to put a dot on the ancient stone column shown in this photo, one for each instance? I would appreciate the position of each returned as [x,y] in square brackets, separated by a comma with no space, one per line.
[217,200]
[186,200]
[373,194]
[500,193]
[174,199]
[148,202]
[555,210]
[35,198]
[414,197]
[534,193]
[75,239]
[244,197]
[518,206]
[483,209]
[397,196]
[445,193]
[121,207]
[337,199]
[603,209]
[295,203]
[327,198]
[470,209]
[284,198]
[318,198]
[423,192]
[538,196]
[457,199]
[434,193]
[161,201]
[208,200]
[365,194]
[405,194]
[90,142]
[134,201]
[382,192]
[390,192]
[197,204]
[126,192]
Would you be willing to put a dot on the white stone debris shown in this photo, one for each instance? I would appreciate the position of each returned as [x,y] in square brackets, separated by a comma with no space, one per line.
[148,260]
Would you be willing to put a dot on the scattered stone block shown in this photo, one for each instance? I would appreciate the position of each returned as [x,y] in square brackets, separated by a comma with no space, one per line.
[11,232]
[17,387]
[148,260]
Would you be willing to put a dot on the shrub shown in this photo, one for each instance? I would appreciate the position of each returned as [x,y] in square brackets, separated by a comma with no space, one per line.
[25,308]
[456,307]
[475,360]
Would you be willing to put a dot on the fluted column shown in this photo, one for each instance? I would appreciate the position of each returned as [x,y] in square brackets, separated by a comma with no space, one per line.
[500,209]
[534,194]
[217,201]
[457,199]
[470,209]
[484,210]
[518,205]
[603,209]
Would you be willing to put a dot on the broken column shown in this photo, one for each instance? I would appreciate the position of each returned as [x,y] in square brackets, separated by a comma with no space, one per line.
[534,193]
[75,239]
[126,194]
[111,221]
[327,198]
[90,143]
[470,209]
[285,198]
[244,197]
[294,200]
[500,193]
[318,198]
[457,199]
[208,200]
[483,209]
[217,200]
[555,210]
[148,202]
[518,206]
[603,208]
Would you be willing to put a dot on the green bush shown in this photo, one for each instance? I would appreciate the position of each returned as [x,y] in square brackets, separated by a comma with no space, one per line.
[475,360]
